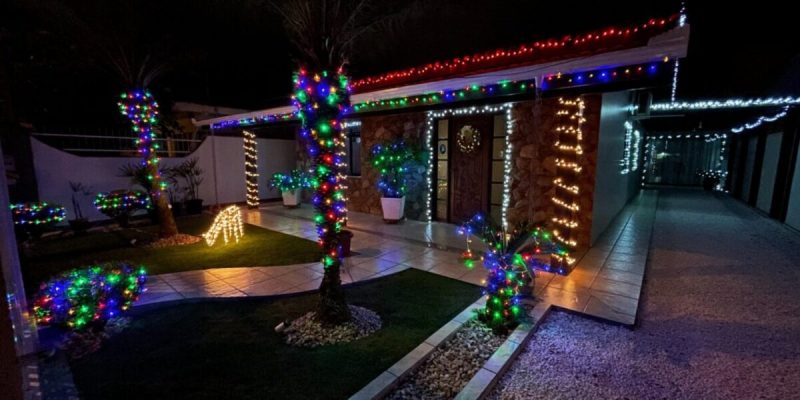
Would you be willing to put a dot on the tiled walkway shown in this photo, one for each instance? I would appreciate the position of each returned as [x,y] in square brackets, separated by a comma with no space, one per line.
[606,282]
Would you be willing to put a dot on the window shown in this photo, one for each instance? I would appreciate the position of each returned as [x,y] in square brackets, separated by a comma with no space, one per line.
[352,131]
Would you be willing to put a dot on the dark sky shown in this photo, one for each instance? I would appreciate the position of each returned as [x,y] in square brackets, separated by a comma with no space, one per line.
[234,53]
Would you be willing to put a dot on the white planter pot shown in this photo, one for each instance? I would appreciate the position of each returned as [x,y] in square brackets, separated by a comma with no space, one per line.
[393,208]
[291,198]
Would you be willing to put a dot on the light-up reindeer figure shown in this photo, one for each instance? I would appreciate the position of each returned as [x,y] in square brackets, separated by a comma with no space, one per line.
[510,259]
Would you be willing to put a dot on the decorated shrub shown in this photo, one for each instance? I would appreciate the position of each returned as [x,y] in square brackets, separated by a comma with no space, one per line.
[34,218]
[510,260]
[88,297]
[392,160]
[294,180]
[120,204]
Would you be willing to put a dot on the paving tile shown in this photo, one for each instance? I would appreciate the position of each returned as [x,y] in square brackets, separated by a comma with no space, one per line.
[634,268]
[449,270]
[411,359]
[246,279]
[573,282]
[571,300]
[269,287]
[474,276]
[376,387]
[357,274]
[627,258]
[612,307]
[397,268]
[306,286]
[227,273]
[376,265]
[402,255]
[520,333]
[300,276]
[616,287]
[621,276]
[143,299]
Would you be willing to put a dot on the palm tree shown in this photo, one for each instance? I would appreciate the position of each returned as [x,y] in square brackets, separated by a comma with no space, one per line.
[324,33]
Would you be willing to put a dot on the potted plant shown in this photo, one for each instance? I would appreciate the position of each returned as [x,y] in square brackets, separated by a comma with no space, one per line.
[191,174]
[391,160]
[289,185]
[80,224]
[120,204]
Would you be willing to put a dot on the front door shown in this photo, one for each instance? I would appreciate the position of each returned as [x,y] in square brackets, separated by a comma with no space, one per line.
[470,168]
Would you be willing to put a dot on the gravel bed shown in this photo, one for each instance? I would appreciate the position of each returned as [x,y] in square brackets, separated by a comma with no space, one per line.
[719,318]
[306,331]
[180,239]
[451,365]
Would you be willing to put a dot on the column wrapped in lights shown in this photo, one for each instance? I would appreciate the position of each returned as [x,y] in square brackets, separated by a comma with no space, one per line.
[141,108]
[251,168]
[321,99]
[432,116]
[568,168]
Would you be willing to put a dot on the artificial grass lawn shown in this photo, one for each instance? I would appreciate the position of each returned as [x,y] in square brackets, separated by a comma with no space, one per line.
[259,246]
[228,349]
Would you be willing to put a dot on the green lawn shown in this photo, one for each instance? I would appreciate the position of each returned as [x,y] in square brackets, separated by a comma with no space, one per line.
[259,246]
[227,349]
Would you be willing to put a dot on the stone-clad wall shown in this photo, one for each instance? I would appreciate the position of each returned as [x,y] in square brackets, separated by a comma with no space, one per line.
[362,191]
[534,163]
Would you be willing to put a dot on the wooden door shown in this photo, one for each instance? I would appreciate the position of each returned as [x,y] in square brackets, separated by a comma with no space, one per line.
[469,172]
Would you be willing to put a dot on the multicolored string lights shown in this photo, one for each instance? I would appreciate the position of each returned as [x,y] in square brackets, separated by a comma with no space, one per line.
[89,297]
[228,223]
[391,160]
[141,108]
[568,167]
[40,213]
[121,202]
[250,168]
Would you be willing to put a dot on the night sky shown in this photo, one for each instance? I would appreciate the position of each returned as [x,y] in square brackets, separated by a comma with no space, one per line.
[234,53]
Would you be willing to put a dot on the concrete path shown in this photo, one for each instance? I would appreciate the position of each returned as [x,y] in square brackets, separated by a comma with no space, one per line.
[720,317]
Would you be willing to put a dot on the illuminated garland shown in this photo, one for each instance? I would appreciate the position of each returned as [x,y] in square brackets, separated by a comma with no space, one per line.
[121,202]
[537,51]
[228,223]
[432,116]
[761,120]
[89,296]
[707,137]
[41,213]
[321,100]
[288,182]
[723,104]
[630,157]
[601,76]
[391,160]
[251,168]
[568,147]
[509,259]
[141,108]
[468,139]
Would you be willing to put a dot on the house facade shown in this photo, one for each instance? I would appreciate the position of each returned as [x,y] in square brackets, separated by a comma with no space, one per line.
[543,133]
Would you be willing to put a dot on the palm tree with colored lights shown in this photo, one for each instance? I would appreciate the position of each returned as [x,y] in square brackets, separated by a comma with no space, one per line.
[324,33]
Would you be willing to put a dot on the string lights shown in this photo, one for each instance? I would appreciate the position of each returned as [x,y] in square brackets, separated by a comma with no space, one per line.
[89,296]
[251,168]
[761,120]
[141,108]
[561,80]
[41,213]
[432,116]
[228,223]
[724,104]
[121,202]
[391,161]
[630,157]
[717,170]
[569,137]
[537,51]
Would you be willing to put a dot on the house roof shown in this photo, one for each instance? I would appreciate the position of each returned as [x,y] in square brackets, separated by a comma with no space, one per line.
[657,40]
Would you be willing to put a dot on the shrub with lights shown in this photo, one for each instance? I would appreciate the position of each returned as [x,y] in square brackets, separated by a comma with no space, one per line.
[120,204]
[89,297]
[294,180]
[510,259]
[320,100]
[391,160]
[34,218]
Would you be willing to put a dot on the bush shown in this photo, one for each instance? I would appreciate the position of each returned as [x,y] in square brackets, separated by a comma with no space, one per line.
[393,160]
[287,182]
[119,204]
[34,218]
[88,297]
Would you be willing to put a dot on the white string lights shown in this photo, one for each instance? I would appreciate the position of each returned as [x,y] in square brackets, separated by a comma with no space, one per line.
[762,119]
[228,223]
[251,168]
[720,169]
[630,156]
[569,137]
[432,116]
[723,104]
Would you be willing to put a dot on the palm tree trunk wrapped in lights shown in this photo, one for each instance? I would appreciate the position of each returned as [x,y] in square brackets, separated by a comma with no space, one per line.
[141,108]
[320,100]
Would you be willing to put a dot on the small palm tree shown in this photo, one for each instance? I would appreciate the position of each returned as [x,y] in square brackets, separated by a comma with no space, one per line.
[324,33]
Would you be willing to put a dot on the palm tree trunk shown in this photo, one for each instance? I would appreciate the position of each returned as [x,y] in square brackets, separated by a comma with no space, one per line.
[321,99]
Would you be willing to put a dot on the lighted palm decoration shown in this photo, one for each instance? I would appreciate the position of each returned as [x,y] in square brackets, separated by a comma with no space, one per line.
[510,259]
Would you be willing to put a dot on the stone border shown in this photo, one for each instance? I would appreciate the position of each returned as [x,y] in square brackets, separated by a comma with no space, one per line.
[487,377]
[389,379]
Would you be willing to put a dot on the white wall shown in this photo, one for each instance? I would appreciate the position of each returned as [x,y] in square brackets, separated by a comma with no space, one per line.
[224,183]
[793,211]
[769,170]
[612,189]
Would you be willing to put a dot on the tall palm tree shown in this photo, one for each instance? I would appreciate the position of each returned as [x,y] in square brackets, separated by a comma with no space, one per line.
[324,33]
